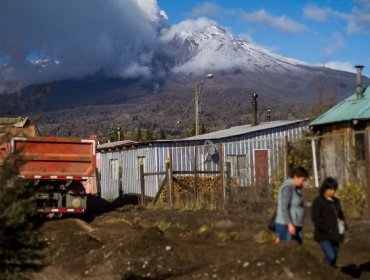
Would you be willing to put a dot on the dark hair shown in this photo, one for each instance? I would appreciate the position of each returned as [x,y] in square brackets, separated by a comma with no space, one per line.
[299,172]
[328,183]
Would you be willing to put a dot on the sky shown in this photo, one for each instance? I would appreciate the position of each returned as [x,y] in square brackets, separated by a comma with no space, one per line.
[331,32]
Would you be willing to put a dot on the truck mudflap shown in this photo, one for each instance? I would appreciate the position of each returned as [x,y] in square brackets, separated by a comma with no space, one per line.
[60,210]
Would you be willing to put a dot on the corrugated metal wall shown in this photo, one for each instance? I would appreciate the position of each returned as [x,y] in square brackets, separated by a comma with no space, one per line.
[184,156]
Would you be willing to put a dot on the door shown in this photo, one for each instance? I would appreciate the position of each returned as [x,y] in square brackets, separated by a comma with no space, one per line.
[261,167]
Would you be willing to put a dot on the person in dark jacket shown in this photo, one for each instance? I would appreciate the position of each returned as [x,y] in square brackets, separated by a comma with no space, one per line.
[328,219]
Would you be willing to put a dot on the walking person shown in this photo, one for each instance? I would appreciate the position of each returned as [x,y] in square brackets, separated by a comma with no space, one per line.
[328,218]
[290,207]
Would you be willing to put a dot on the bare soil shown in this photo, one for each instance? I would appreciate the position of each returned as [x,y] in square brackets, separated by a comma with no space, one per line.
[135,243]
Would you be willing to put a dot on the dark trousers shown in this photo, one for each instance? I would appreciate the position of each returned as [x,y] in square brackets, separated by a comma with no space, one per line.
[330,249]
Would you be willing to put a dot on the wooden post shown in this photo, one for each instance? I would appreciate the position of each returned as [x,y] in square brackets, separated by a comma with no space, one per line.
[221,153]
[196,171]
[142,182]
[367,157]
[286,157]
[316,177]
[228,182]
[169,181]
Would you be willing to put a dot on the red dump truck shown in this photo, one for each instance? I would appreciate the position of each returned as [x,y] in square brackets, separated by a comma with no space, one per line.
[57,167]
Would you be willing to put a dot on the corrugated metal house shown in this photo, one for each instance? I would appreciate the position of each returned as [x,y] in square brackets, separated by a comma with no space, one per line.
[344,137]
[255,152]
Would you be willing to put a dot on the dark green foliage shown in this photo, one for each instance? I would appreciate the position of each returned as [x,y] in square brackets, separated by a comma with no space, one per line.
[20,251]
[149,134]
[115,133]
[139,135]
[162,134]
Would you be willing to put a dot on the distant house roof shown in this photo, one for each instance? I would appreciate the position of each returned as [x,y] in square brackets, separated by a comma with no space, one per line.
[347,110]
[117,144]
[10,121]
[243,129]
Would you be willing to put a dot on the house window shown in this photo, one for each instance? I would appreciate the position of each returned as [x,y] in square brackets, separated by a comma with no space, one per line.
[238,165]
[114,169]
[360,145]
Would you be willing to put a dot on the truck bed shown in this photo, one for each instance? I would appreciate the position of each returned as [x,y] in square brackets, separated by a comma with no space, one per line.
[55,158]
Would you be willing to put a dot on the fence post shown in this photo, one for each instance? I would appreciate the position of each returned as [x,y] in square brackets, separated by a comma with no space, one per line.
[169,181]
[316,176]
[228,182]
[221,154]
[286,157]
[142,182]
[196,171]
[367,157]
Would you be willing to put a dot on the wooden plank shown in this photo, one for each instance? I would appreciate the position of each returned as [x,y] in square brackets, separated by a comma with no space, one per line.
[183,185]
[155,173]
[161,188]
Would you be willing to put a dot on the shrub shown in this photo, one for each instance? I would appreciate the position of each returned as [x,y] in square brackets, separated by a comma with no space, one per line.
[353,200]
[20,251]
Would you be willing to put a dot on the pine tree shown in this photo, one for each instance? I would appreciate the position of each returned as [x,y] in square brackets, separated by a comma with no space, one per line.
[139,135]
[149,134]
[19,248]
[162,134]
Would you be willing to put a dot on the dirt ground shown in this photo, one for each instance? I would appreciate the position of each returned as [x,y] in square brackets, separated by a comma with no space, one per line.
[135,243]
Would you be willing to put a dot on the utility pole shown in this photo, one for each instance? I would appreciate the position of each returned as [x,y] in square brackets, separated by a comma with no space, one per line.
[198,93]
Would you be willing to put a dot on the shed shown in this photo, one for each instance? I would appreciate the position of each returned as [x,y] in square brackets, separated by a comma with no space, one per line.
[256,153]
[343,138]
[16,125]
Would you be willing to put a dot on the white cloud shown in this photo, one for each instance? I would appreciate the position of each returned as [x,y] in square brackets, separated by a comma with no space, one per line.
[358,20]
[360,17]
[337,42]
[135,70]
[340,65]
[282,23]
[186,28]
[316,13]
[246,36]
[208,9]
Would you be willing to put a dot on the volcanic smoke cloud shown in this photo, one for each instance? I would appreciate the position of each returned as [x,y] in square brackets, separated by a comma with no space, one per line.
[72,39]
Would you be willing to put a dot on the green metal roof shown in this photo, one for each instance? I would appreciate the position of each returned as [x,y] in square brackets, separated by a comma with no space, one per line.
[347,110]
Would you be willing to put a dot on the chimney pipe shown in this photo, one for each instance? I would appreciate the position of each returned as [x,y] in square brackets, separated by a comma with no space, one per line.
[254,109]
[359,73]
[359,92]
[269,115]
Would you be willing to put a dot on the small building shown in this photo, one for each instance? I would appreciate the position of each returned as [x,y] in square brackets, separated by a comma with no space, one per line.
[17,126]
[343,137]
[256,153]
[11,126]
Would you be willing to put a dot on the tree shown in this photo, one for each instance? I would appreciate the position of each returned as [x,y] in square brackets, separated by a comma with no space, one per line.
[19,248]
[115,133]
[139,135]
[162,134]
[149,134]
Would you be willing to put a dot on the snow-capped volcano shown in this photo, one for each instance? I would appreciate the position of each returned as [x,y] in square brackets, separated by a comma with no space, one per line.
[200,45]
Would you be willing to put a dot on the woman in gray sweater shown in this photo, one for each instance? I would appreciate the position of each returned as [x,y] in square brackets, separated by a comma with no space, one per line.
[290,207]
